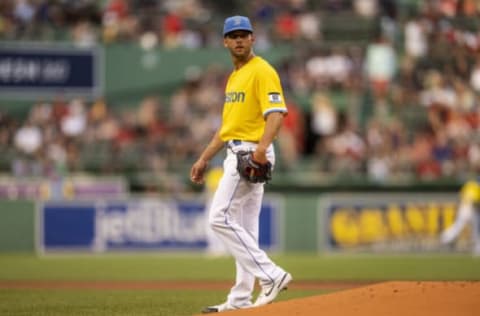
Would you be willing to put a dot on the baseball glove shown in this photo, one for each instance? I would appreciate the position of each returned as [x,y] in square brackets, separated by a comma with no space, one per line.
[251,170]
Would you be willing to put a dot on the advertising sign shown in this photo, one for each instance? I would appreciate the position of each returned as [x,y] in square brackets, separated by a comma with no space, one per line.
[387,222]
[49,70]
[63,188]
[136,224]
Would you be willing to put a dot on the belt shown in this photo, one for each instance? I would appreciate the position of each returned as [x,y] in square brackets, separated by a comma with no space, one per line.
[238,142]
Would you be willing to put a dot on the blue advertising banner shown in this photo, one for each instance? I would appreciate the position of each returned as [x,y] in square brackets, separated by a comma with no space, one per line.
[136,224]
[33,70]
[71,227]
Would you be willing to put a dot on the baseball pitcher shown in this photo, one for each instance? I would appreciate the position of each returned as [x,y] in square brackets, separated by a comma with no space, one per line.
[252,116]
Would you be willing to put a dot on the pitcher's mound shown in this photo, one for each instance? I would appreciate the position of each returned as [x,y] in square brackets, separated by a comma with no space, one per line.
[389,298]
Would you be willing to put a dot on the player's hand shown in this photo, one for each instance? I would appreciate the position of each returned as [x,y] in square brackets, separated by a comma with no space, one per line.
[251,170]
[197,171]
[260,156]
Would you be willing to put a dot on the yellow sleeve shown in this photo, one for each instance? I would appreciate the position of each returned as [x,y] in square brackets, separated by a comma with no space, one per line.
[270,92]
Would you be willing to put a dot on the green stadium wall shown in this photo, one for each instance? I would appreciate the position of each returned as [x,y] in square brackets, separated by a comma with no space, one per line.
[17,230]
[301,222]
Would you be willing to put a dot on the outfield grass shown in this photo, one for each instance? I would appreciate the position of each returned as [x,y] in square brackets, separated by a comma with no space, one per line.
[188,267]
[114,302]
[198,267]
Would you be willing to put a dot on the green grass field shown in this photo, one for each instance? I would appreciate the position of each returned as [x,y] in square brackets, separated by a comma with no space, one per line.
[189,267]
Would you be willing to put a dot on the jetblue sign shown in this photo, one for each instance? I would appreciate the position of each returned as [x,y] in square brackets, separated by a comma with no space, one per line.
[149,224]
[49,70]
[136,224]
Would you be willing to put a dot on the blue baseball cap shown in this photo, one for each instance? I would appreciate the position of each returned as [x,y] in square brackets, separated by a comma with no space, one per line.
[237,23]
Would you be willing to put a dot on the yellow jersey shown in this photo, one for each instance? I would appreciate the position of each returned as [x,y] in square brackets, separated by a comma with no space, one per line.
[470,191]
[252,92]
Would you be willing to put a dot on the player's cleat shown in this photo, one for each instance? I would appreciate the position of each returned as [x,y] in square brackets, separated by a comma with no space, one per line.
[217,308]
[270,291]
[222,308]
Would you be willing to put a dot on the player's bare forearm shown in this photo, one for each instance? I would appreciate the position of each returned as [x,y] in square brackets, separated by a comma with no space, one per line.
[215,145]
[199,167]
[273,124]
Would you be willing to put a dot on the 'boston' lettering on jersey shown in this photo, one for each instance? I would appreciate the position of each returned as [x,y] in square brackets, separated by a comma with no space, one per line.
[234,97]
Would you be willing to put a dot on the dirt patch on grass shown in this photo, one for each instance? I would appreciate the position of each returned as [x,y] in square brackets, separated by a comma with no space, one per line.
[389,298]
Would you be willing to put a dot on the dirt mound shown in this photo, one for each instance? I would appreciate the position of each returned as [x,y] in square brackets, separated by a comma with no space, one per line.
[389,298]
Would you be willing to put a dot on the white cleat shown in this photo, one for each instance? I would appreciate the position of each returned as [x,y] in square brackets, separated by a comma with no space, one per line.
[270,291]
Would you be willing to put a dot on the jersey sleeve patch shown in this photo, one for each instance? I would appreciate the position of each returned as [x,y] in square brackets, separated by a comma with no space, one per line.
[274,97]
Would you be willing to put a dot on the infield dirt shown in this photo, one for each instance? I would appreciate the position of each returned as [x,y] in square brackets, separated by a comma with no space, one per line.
[389,298]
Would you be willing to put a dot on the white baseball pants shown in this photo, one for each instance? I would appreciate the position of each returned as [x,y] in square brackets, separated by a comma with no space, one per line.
[234,217]
[465,214]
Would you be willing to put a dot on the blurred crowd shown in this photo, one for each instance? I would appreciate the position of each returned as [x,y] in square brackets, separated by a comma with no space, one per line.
[171,23]
[403,105]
